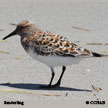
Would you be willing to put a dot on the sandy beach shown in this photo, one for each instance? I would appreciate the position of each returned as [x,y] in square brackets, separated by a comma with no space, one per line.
[85,23]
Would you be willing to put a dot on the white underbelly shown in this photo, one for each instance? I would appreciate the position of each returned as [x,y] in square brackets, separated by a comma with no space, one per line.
[55,60]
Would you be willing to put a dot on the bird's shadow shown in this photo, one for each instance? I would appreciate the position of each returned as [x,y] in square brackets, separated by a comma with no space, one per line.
[38,87]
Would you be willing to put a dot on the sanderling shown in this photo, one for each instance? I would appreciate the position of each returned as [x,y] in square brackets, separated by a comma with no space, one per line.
[53,50]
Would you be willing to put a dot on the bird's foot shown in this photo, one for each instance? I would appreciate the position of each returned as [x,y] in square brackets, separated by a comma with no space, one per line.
[51,86]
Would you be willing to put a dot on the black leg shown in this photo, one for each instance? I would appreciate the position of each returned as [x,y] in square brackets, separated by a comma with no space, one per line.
[49,85]
[59,81]
[53,74]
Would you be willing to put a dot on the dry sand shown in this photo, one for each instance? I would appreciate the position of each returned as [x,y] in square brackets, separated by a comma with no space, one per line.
[26,74]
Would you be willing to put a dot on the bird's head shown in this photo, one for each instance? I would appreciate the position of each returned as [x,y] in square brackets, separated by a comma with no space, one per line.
[23,29]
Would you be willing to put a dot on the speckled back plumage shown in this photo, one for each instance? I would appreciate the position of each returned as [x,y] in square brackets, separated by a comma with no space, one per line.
[46,43]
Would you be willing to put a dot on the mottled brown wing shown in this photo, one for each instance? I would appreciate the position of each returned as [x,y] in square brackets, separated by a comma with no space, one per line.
[49,44]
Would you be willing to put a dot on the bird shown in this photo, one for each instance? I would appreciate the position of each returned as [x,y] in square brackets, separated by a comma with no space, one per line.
[50,49]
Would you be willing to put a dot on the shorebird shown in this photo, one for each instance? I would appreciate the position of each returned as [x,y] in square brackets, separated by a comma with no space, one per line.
[52,50]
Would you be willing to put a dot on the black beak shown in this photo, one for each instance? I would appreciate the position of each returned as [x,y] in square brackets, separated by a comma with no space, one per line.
[11,34]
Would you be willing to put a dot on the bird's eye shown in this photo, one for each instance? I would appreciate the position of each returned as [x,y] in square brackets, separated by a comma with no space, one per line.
[21,27]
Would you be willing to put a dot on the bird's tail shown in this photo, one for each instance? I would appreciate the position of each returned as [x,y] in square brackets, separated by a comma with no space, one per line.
[98,55]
